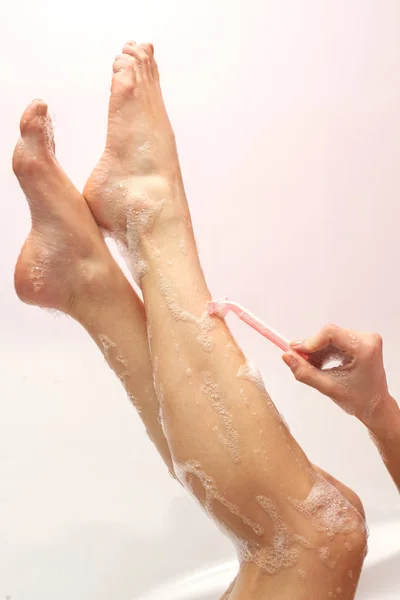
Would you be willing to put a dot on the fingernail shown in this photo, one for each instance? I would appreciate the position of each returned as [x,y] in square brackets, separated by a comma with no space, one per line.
[297,343]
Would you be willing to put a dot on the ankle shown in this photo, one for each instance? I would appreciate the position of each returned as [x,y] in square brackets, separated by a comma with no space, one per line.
[98,287]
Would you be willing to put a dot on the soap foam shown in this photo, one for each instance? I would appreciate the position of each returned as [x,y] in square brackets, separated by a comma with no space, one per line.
[48,131]
[373,403]
[232,348]
[250,372]
[183,246]
[282,553]
[123,361]
[135,403]
[54,312]
[149,332]
[125,373]
[300,539]
[328,510]
[378,446]
[228,437]
[107,344]
[38,272]
[348,546]
[212,494]
[245,397]
[140,217]
[20,147]
[204,323]
[302,574]
[144,148]
[325,557]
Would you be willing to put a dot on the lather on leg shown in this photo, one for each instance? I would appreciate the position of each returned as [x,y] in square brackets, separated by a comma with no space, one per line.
[227,440]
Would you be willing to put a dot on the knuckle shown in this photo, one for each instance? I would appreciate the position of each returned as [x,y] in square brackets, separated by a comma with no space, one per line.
[330,327]
[377,340]
[374,343]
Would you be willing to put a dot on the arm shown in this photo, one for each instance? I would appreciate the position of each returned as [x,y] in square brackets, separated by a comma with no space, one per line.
[385,433]
[358,385]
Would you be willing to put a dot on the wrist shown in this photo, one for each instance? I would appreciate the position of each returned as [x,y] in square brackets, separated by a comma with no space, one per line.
[386,418]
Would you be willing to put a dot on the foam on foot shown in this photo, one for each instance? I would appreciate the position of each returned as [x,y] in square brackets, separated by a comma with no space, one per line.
[138,176]
[64,252]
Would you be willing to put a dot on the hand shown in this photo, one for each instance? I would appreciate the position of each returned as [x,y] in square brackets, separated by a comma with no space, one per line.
[358,385]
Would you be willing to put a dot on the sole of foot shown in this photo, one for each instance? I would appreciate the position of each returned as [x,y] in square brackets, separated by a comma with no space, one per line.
[64,258]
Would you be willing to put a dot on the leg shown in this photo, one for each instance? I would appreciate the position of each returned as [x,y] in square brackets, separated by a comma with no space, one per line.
[228,442]
[65,245]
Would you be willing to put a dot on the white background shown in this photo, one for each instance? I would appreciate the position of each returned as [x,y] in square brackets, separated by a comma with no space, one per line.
[287,116]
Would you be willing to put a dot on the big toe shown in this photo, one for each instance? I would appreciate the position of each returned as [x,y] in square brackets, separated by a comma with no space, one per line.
[36,144]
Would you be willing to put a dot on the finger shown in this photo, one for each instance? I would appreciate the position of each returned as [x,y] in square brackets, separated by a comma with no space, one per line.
[306,373]
[330,335]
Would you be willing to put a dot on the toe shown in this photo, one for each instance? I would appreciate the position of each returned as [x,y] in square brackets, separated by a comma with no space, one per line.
[142,59]
[149,49]
[124,79]
[30,120]
[123,62]
[36,146]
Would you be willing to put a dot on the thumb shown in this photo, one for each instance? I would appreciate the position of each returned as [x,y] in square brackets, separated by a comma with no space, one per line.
[306,373]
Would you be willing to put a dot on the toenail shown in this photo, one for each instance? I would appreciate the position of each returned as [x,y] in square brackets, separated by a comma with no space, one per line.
[41,110]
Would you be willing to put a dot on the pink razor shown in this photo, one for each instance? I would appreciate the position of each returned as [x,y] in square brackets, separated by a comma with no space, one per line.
[223,306]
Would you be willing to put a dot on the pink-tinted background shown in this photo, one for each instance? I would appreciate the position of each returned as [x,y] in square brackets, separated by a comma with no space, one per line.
[288,123]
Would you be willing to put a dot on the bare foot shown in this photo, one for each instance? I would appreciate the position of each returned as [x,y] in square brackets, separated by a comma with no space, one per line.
[138,175]
[64,256]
